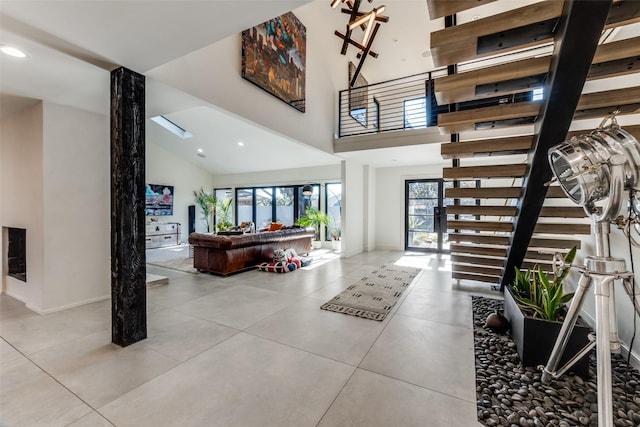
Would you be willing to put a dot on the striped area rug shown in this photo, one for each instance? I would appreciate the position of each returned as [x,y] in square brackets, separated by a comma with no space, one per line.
[374,295]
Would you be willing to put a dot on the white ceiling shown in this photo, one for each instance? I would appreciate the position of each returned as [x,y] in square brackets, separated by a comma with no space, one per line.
[74,44]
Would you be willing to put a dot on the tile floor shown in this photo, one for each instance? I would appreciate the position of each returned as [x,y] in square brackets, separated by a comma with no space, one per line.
[253,349]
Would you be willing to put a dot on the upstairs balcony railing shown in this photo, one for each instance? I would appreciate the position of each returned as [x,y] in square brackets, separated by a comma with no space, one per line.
[399,104]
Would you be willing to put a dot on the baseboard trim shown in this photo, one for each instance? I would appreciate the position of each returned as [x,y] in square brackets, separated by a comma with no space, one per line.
[67,307]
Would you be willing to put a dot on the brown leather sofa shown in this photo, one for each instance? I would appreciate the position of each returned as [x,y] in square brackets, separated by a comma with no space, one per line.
[224,255]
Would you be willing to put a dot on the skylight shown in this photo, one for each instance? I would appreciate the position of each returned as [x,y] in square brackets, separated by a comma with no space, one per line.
[171,127]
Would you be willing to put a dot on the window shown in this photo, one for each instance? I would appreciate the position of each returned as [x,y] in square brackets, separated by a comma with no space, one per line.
[263,205]
[415,113]
[333,205]
[538,94]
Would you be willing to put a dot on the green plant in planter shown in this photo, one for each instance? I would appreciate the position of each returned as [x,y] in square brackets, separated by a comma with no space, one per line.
[314,218]
[539,296]
[207,203]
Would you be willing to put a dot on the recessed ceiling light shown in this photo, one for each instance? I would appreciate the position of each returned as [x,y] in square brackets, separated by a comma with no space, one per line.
[12,51]
[171,127]
[240,144]
[200,150]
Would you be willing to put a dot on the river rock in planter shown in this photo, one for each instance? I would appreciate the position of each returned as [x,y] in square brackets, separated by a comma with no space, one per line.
[535,338]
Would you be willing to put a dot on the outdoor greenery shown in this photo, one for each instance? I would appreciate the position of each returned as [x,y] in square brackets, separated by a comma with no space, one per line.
[223,208]
[539,296]
[207,203]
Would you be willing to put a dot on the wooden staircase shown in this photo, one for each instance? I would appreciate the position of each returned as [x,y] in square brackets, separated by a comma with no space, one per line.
[482,220]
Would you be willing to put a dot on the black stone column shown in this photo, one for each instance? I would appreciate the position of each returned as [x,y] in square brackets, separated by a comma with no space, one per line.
[128,268]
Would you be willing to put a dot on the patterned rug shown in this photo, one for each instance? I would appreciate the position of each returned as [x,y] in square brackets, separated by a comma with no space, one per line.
[373,296]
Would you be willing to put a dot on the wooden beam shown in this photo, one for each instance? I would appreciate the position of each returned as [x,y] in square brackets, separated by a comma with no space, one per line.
[563,212]
[577,38]
[546,228]
[481,210]
[479,225]
[488,239]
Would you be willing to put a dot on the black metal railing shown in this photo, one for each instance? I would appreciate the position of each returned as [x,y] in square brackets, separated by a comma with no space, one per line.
[399,104]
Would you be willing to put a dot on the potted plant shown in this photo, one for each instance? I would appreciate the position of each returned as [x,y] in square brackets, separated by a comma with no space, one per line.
[336,232]
[314,218]
[207,203]
[535,305]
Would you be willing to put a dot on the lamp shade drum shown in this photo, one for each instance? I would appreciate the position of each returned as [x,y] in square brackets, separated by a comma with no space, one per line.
[582,164]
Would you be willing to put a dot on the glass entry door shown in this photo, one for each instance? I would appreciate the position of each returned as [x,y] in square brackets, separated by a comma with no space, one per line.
[425,215]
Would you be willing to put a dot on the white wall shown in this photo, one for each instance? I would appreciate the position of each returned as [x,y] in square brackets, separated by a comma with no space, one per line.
[369,229]
[22,192]
[76,199]
[389,203]
[353,213]
[219,65]
[317,174]
[165,168]
[55,183]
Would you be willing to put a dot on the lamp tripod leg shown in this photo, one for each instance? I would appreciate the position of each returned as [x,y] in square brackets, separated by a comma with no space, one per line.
[603,286]
[567,327]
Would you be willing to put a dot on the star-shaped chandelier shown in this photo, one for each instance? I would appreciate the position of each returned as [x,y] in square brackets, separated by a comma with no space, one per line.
[369,22]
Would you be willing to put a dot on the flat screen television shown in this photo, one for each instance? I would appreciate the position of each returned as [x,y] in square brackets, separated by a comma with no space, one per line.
[159,200]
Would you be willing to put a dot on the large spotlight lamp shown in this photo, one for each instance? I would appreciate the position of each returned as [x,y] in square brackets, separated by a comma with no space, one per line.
[596,171]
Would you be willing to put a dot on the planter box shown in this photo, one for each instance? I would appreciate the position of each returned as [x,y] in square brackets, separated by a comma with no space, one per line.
[535,338]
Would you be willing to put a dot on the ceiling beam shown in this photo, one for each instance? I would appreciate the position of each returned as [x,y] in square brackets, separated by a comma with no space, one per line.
[579,31]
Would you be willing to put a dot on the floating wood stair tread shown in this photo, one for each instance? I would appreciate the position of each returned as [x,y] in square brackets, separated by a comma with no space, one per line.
[487,239]
[481,210]
[460,43]
[462,87]
[503,240]
[466,120]
[541,242]
[487,271]
[479,225]
[441,8]
[475,277]
[609,99]
[563,212]
[487,147]
[483,193]
[548,228]
[473,260]
[496,171]
[553,192]
[534,255]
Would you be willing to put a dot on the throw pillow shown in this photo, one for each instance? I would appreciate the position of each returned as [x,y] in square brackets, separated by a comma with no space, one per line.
[275,226]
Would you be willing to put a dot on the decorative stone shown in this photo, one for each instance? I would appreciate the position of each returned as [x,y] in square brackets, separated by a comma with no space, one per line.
[524,401]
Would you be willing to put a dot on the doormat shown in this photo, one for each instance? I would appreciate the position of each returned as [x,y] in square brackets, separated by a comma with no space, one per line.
[509,394]
[374,295]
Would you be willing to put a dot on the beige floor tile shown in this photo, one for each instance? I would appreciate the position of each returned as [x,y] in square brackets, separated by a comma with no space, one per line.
[370,400]
[441,307]
[238,307]
[29,397]
[334,335]
[333,288]
[99,371]
[184,289]
[245,381]
[297,283]
[94,419]
[432,355]
[11,308]
[32,333]
[180,336]
[7,352]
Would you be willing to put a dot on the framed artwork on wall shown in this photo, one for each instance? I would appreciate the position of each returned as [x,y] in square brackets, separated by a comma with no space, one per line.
[274,56]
